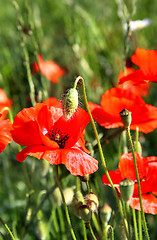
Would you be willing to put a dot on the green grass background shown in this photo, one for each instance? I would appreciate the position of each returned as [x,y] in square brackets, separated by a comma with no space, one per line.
[85,38]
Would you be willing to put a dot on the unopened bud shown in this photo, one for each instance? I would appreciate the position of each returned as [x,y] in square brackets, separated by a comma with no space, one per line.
[126,189]
[126,117]
[68,195]
[138,147]
[70,103]
[85,213]
[78,201]
[92,201]
[105,213]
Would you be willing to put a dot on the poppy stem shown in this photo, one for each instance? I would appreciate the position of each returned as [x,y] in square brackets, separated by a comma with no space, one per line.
[138,181]
[84,230]
[79,78]
[135,224]
[10,113]
[7,228]
[25,52]
[65,206]
[91,231]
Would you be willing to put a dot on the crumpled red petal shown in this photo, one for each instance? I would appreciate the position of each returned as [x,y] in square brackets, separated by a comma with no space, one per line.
[5,134]
[149,203]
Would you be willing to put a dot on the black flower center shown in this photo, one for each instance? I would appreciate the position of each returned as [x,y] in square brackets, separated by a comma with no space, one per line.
[59,137]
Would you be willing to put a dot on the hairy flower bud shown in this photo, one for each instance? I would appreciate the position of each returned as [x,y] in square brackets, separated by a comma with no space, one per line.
[92,201]
[126,189]
[78,201]
[105,213]
[125,117]
[85,213]
[70,103]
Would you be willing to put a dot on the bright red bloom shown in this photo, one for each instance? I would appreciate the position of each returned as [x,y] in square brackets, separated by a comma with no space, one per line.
[5,135]
[52,101]
[147,168]
[146,60]
[48,135]
[4,102]
[141,89]
[49,69]
[114,101]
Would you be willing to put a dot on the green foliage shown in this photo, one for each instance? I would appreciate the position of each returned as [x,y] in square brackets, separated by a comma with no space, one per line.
[85,38]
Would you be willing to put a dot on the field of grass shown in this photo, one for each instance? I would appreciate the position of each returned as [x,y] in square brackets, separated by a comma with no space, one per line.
[85,38]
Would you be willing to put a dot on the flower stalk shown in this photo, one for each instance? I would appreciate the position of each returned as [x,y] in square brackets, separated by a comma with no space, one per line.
[138,181]
[65,206]
[79,78]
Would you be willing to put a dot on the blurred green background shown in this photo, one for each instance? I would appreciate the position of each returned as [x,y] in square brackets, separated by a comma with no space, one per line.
[85,38]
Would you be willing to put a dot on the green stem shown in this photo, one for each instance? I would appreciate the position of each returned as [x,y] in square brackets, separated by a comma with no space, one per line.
[65,206]
[88,187]
[112,232]
[7,228]
[135,224]
[105,232]
[78,186]
[91,231]
[128,217]
[139,187]
[10,113]
[139,225]
[100,148]
[84,230]
[96,223]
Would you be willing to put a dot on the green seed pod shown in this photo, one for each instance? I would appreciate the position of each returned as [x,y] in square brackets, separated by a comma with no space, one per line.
[126,117]
[126,189]
[85,213]
[92,201]
[105,213]
[70,103]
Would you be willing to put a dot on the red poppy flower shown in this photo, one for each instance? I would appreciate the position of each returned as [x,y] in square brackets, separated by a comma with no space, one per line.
[147,168]
[146,60]
[141,89]
[52,101]
[49,69]
[48,135]
[5,135]
[4,102]
[114,101]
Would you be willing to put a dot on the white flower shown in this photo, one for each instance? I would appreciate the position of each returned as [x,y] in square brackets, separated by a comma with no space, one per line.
[138,24]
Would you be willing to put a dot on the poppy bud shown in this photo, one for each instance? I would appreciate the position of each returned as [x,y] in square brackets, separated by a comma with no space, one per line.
[70,103]
[78,201]
[126,189]
[138,147]
[125,117]
[105,213]
[68,195]
[85,213]
[92,201]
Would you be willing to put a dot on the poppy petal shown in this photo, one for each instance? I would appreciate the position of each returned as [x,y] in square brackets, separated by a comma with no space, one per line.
[149,203]
[146,60]
[79,162]
[26,134]
[73,127]
[115,177]
[127,168]
[5,135]
[35,151]
[115,100]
